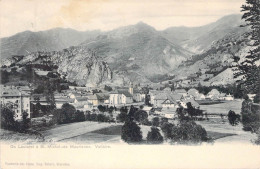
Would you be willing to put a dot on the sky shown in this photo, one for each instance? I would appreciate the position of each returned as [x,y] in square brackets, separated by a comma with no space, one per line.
[37,15]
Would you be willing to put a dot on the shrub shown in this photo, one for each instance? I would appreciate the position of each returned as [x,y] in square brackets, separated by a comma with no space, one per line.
[250,116]
[79,116]
[156,121]
[251,122]
[88,116]
[166,129]
[147,122]
[123,109]
[93,117]
[102,118]
[101,108]
[110,109]
[233,118]
[163,120]
[188,132]
[67,113]
[8,122]
[108,88]
[25,124]
[140,116]
[122,117]
[154,136]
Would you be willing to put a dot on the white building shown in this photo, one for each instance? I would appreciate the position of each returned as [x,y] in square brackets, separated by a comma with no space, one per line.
[167,89]
[120,97]
[193,92]
[137,96]
[200,97]
[98,99]
[168,103]
[229,97]
[159,99]
[213,94]
[18,100]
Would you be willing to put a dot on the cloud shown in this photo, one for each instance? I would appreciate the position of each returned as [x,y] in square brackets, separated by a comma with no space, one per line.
[36,15]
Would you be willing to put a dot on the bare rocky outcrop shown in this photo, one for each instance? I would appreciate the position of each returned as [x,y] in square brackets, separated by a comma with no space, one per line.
[77,64]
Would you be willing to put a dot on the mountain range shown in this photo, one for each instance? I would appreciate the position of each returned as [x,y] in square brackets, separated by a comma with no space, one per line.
[139,53]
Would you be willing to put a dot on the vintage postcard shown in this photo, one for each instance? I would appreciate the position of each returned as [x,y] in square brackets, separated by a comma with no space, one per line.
[129,84]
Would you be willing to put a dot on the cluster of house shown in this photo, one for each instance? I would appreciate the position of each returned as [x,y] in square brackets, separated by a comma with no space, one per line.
[85,100]
[166,102]
[82,98]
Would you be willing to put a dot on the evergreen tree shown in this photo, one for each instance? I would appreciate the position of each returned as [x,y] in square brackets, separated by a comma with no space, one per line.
[131,132]
[7,119]
[249,69]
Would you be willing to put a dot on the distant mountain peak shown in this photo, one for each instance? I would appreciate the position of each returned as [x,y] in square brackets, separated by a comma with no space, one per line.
[142,25]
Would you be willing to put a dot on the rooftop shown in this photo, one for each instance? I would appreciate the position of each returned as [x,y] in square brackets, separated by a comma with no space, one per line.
[12,91]
[81,99]
[102,96]
[180,91]
[122,91]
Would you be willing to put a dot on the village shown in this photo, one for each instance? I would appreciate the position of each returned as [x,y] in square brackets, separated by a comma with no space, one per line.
[162,103]
[129,84]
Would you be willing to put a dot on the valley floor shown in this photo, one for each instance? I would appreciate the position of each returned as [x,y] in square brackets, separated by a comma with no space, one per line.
[110,133]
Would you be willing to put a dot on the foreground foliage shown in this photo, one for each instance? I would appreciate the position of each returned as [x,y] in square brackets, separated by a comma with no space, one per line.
[154,136]
[8,122]
[233,118]
[185,132]
[131,132]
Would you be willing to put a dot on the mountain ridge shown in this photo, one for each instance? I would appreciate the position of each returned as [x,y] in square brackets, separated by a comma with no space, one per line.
[142,54]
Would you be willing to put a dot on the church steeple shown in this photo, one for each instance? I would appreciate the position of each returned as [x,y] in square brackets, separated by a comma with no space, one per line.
[131,89]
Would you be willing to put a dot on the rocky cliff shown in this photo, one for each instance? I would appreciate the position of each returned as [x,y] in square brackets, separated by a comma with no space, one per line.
[75,64]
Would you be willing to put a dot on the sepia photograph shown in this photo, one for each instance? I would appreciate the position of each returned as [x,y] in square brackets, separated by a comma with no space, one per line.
[82,76]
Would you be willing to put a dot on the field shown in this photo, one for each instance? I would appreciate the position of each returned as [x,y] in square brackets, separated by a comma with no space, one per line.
[222,132]
[73,130]
[94,132]
[108,135]
[223,108]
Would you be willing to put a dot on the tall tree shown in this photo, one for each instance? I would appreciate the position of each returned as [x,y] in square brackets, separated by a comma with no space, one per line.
[67,113]
[7,118]
[131,132]
[249,68]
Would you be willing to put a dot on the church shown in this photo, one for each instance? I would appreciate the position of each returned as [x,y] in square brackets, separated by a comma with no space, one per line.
[122,96]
